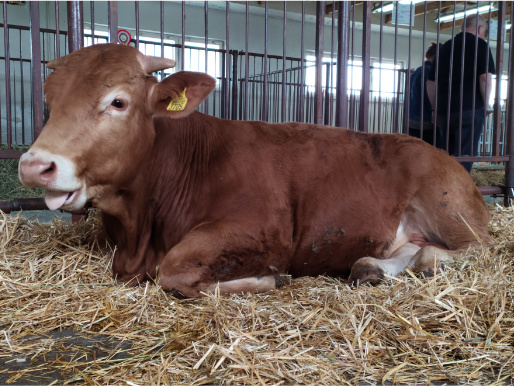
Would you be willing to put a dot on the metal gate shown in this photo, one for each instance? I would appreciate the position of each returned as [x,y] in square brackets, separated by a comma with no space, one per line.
[273,61]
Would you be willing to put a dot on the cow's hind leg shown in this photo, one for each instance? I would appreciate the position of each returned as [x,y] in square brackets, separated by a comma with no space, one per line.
[425,259]
[249,284]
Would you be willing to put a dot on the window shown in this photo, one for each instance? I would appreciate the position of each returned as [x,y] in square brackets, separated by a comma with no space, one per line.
[384,76]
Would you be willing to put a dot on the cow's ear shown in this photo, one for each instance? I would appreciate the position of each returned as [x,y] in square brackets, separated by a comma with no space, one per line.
[179,94]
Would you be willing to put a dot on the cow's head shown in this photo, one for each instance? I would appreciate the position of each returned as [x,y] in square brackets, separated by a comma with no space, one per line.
[102,102]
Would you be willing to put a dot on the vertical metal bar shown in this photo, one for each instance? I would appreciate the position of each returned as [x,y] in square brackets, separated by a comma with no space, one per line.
[326,119]
[396,94]
[423,75]
[448,109]
[301,91]
[509,123]
[247,62]
[7,79]
[283,102]
[352,96]
[343,31]
[75,25]
[234,85]
[206,25]
[320,29]
[487,85]
[22,89]
[136,7]
[265,67]
[57,31]
[161,12]
[92,11]
[379,117]
[113,21]
[227,61]
[473,101]
[329,79]
[461,80]
[366,52]
[499,66]
[407,80]
[436,64]
[37,82]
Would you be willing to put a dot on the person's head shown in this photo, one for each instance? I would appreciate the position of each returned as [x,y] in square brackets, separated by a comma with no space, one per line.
[431,52]
[471,25]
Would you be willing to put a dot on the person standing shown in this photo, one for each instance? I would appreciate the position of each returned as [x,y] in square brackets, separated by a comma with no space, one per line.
[424,131]
[474,28]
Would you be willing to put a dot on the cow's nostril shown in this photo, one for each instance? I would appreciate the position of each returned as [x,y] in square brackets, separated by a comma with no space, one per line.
[49,170]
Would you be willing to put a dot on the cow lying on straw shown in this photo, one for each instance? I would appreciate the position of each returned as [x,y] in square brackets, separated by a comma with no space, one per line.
[199,203]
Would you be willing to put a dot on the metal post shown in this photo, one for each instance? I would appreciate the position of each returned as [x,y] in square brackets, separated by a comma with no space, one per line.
[113,22]
[509,124]
[320,29]
[343,37]
[37,82]
[75,25]
[497,132]
[366,51]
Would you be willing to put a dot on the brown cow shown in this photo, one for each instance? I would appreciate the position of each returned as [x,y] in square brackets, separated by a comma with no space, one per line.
[197,202]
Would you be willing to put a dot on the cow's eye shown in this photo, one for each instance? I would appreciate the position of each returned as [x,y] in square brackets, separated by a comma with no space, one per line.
[118,103]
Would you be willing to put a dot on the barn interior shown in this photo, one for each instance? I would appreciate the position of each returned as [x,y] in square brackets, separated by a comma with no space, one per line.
[65,320]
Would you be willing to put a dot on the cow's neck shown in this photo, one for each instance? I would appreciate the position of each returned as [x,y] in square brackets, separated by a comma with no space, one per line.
[149,216]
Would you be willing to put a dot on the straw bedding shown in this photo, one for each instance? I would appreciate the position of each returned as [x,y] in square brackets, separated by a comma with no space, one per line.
[456,327]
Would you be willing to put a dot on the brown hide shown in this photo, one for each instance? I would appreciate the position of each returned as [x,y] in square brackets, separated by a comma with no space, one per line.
[192,200]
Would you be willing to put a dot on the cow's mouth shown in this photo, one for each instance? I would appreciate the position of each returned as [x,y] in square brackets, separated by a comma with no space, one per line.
[55,200]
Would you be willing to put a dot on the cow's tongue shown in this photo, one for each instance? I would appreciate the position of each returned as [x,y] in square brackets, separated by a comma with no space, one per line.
[54,200]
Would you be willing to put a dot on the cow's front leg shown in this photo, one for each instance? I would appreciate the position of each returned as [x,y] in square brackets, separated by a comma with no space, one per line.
[425,259]
[216,258]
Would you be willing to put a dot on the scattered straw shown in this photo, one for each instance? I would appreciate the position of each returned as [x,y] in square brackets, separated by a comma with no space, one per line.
[456,327]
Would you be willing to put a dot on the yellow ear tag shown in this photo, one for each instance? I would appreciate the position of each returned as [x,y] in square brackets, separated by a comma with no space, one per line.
[179,103]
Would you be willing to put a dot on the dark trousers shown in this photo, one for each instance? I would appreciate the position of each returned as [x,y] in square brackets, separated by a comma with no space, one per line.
[468,142]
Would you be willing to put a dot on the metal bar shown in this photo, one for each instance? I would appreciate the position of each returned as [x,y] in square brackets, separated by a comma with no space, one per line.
[10,154]
[497,131]
[366,52]
[461,81]
[379,114]
[448,105]
[330,100]
[473,101]
[113,21]
[247,63]
[343,26]
[407,80]
[301,91]
[136,7]
[265,67]
[509,123]
[396,95]
[487,85]
[206,27]
[234,85]
[318,93]
[22,90]
[7,79]
[92,11]
[23,204]
[57,31]
[37,82]
[489,190]
[436,64]
[75,25]
[283,102]
[227,61]
[161,13]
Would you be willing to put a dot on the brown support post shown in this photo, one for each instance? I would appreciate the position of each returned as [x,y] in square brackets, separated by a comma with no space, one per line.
[343,37]
[318,93]
[366,50]
[37,82]
[75,25]
[113,22]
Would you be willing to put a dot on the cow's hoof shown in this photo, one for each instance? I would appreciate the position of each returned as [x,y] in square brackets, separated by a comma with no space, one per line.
[430,272]
[366,274]
[282,280]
